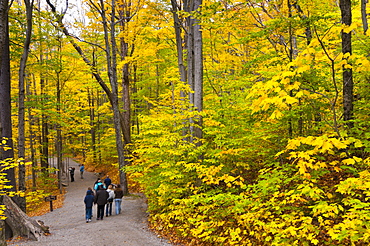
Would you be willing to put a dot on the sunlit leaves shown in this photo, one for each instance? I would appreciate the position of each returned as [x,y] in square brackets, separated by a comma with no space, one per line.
[272,85]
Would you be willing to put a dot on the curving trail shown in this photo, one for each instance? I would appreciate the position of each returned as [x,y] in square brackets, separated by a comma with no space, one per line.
[69,228]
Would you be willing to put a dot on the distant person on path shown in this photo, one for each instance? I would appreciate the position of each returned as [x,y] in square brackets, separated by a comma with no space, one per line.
[72,173]
[108,210]
[82,169]
[107,181]
[101,198]
[97,184]
[118,194]
[89,202]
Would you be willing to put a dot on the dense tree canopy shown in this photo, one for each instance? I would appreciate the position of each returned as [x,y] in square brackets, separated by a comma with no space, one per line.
[244,123]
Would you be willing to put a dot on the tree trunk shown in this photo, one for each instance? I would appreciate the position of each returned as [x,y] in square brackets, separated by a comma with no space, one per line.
[31,121]
[195,70]
[20,224]
[90,94]
[111,51]
[21,108]
[364,15]
[59,140]
[198,75]
[125,80]
[345,8]
[124,16]
[179,41]
[2,233]
[42,123]
[178,24]
[7,154]
[44,156]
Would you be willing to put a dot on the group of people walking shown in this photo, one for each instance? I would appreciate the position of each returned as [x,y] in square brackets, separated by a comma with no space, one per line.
[103,195]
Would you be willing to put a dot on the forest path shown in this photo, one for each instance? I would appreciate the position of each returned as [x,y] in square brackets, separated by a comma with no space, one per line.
[68,226]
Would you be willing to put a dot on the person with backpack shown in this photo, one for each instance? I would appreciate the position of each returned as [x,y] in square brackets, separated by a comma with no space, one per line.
[108,211]
[97,184]
[82,169]
[101,198]
[89,202]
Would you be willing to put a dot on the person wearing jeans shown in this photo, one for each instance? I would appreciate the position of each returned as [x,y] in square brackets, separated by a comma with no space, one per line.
[89,201]
[82,169]
[118,192]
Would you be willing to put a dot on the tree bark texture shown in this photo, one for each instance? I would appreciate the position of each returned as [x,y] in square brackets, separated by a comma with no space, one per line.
[195,69]
[21,108]
[5,104]
[346,12]
[20,224]
[179,41]
[125,16]
[2,233]
[90,94]
[364,16]
[198,74]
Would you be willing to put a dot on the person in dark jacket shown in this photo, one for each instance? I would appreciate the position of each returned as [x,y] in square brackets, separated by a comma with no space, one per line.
[107,181]
[101,198]
[89,202]
[72,173]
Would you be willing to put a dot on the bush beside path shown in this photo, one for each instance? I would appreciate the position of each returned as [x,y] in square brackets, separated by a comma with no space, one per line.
[68,226]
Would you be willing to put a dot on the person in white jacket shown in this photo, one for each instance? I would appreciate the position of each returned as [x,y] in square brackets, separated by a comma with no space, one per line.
[108,210]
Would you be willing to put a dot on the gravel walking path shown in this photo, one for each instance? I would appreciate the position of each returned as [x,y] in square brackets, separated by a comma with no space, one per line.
[68,226]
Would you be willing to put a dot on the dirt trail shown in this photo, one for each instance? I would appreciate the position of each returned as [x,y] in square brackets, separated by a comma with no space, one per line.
[68,226]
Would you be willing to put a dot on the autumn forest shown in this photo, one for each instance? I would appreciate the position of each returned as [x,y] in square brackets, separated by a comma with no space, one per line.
[242,122]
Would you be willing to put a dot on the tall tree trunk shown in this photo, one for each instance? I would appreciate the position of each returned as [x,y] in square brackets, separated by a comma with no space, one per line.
[58,140]
[7,154]
[111,48]
[123,16]
[90,94]
[178,24]
[346,12]
[32,137]
[3,38]
[198,74]
[195,69]
[188,7]
[179,41]
[44,156]
[135,119]
[364,15]
[21,108]
[43,124]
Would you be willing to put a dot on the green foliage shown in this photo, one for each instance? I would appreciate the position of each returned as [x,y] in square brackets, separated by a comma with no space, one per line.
[277,166]
[47,184]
